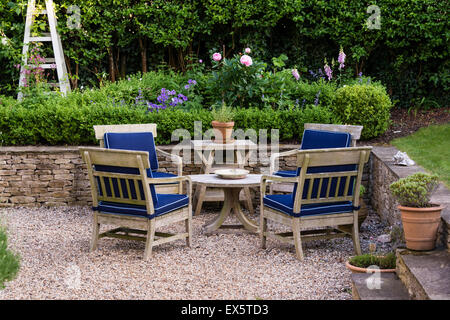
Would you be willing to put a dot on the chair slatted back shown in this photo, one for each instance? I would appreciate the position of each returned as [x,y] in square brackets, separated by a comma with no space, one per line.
[334,186]
[118,176]
[100,130]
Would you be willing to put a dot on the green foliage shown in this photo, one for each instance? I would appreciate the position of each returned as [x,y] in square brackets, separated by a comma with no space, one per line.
[366,105]
[415,190]
[366,260]
[9,262]
[223,113]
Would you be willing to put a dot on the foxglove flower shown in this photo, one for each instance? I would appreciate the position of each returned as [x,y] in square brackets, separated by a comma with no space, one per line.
[295,74]
[341,59]
[328,71]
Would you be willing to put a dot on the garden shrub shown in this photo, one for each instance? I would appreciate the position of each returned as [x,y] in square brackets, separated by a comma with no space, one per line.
[363,104]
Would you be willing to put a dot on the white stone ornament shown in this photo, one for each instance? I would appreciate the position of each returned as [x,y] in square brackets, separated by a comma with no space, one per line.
[402,159]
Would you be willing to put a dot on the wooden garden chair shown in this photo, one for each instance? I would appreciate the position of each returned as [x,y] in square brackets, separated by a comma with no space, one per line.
[326,194]
[145,143]
[315,136]
[123,195]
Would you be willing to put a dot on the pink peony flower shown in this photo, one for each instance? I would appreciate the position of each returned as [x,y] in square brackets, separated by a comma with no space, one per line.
[295,74]
[246,60]
[217,56]
[247,50]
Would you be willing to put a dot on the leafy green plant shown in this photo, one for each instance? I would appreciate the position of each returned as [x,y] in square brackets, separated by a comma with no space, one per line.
[366,260]
[363,104]
[9,262]
[223,113]
[415,190]
[362,190]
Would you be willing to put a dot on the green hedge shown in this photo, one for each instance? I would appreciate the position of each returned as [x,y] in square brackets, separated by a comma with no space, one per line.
[58,124]
[364,104]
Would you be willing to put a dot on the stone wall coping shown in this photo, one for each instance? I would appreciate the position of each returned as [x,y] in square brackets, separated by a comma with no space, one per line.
[59,149]
[440,196]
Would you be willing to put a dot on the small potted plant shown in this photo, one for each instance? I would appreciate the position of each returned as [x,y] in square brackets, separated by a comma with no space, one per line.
[222,123]
[420,218]
[370,263]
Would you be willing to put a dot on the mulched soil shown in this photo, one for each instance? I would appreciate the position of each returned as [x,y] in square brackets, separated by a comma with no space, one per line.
[404,123]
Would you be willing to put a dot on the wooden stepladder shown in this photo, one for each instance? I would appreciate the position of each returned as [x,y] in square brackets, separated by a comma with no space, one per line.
[58,61]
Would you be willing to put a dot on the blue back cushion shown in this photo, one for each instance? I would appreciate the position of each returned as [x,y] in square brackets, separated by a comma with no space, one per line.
[137,141]
[317,139]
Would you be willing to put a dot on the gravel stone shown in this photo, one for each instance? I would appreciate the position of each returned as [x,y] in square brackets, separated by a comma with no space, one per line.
[53,244]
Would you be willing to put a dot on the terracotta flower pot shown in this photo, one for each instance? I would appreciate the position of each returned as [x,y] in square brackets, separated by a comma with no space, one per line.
[223,131]
[354,269]
[420,226]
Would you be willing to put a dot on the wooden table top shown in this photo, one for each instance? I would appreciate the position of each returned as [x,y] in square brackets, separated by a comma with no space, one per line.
[213,180]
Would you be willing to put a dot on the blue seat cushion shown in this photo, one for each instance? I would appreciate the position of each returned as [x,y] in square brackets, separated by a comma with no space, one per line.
[166,203]
[137,141]
[284,203]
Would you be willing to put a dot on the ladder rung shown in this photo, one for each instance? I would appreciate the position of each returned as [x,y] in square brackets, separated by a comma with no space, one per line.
[49,60]
[42,12]
[43,66]
[53,84]
[45,38]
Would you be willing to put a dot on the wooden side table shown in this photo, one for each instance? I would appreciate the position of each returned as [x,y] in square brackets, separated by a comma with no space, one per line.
[231,203]
[207,151]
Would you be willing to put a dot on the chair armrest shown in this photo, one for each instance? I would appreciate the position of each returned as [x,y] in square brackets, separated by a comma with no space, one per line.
[176,159]
[276,179]
[179,179]
[274,156]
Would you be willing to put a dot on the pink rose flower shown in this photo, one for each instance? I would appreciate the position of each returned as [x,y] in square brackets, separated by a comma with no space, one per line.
[246,60]
[247,50]
[217,56]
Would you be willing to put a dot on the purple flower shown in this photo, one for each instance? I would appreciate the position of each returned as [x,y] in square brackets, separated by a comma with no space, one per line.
[341,59]
[316,100]
[200,61]
[186,86]
[295,74]
[328,71]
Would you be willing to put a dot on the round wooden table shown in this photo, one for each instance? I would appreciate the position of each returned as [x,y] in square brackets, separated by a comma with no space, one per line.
[231,189]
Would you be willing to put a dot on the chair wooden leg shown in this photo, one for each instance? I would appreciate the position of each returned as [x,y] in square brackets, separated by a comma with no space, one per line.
[188,223]
[149,241]
[262,228]
[355,234]
[297,238]
[95,232]
[201,196]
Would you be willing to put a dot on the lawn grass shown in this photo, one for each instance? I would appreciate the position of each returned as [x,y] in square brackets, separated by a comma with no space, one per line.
[9,262]
[430,148]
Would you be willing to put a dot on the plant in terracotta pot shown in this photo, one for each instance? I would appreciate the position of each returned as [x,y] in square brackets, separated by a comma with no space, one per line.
[420,218]
[222,123]
[370,263]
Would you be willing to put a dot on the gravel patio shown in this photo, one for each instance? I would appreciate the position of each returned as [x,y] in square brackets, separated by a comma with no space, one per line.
[53,244]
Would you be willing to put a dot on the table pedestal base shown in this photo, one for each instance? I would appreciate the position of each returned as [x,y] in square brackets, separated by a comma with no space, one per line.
[231,203]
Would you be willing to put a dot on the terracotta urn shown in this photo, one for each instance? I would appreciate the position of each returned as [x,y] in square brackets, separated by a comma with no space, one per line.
[223,131]
[420,226]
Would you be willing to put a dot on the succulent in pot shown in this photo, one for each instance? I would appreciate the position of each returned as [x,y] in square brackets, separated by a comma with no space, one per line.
[420,218]
[222,123]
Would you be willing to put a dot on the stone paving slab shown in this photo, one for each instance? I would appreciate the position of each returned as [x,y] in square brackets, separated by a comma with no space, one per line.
[391,288]
[431,270]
